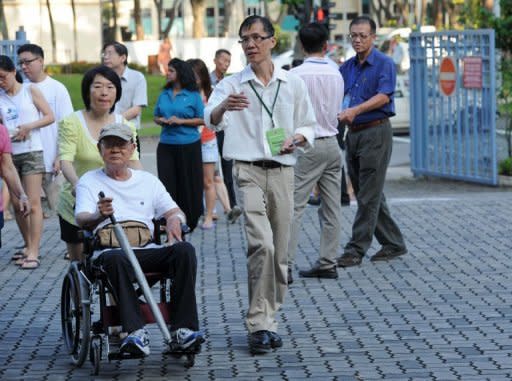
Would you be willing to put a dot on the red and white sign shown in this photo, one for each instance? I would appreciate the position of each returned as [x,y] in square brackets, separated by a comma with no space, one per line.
[447,76]
[472,74]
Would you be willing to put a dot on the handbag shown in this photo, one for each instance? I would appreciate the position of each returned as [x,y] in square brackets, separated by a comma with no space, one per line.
[138,235]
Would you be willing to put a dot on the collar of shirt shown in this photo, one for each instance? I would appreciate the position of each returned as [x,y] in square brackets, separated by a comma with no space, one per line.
[317,60]
[126,73]
[248,74]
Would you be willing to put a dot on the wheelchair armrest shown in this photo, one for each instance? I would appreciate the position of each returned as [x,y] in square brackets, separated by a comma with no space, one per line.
[160,230]
[87,238]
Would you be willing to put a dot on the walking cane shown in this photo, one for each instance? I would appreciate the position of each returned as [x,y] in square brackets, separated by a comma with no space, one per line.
[141,279]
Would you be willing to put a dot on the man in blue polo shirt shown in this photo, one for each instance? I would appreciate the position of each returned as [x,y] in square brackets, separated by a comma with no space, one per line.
[370,79]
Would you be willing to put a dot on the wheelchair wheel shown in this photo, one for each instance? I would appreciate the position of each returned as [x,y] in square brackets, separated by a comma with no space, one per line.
[95,354]
[75,315]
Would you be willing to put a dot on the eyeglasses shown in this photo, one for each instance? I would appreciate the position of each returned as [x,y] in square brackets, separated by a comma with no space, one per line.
[361,36]
[255,37]
[26,62]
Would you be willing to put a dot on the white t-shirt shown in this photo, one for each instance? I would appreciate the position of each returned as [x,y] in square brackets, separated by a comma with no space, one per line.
[17,110]
[140,198]
[59,100]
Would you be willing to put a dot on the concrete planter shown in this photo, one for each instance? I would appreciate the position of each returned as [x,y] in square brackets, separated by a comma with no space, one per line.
[505,181]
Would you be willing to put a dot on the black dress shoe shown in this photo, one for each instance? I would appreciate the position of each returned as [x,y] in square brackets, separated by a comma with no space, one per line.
[259,342]
[349,259]
[317,272]
[290,277]
[386,253]
[275,340]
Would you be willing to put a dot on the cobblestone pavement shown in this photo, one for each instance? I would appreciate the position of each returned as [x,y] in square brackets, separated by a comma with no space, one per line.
[441,312]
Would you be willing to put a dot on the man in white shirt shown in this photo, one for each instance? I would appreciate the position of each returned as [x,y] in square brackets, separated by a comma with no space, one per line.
[322,164]
[134,96]
[222,60]
[135,195]
[31,62]
[265,112]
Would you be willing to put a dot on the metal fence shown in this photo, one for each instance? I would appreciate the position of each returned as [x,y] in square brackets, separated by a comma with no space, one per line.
[453,105]
[9,47]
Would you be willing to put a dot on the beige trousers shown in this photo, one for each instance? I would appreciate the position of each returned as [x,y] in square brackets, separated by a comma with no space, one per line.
[267,199]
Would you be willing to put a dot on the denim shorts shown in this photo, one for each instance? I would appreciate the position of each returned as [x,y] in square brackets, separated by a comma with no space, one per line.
[29,163]
[210,151]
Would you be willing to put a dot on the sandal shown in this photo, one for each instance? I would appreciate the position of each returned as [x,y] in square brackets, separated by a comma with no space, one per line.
[208,226]
[30,264]
[18,255]
[20,261]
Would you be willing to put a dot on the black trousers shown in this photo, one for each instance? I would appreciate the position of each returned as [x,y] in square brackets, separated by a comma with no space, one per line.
[180,169]
[178,261]
[227,170]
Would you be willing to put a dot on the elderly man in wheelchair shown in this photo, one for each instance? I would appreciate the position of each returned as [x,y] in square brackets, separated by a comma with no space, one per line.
[138,197]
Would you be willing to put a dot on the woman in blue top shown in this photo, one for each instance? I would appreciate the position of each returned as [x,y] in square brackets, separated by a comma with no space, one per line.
[179,110]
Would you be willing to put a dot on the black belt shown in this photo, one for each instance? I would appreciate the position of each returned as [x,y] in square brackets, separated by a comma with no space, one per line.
[364,126]
[325,137]
[267,164]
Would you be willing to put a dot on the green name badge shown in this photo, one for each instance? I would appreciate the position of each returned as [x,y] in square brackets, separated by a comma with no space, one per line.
[275,139]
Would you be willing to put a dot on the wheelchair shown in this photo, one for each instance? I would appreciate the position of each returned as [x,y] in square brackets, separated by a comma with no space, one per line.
[86,295]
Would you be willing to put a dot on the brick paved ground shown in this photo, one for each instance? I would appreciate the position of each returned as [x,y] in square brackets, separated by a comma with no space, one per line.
[442,312]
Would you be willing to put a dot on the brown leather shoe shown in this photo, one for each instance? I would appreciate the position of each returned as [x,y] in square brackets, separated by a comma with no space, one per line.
[385,254]
[349,260]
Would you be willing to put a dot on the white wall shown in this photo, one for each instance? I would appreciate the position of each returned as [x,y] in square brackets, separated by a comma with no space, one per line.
[186,48]
[33,16]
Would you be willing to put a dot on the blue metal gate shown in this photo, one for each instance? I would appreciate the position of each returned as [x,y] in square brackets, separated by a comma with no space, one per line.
[453,112]
[10,47]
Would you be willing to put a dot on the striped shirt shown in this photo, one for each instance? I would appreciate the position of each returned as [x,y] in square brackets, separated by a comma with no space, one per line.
[325,87]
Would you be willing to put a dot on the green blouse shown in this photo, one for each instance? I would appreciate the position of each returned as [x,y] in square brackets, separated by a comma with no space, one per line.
[77,145]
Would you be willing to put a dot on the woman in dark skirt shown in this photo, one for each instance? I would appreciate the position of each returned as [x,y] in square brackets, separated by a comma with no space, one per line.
[179,110]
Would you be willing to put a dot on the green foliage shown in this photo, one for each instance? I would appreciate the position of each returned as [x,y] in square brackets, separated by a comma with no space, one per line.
[505,167]
[283,39]
[474,16]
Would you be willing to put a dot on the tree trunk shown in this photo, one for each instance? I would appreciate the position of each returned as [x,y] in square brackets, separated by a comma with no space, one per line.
[228,9]
[75,39]
[159,9]
[198,13]
[423,16]
[139,31]
[114,18]
[52,31]
[3,22]
[438,14]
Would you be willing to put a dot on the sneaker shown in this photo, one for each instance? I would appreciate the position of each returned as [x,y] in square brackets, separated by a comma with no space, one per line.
[185,337]
[233,214]
[136,343]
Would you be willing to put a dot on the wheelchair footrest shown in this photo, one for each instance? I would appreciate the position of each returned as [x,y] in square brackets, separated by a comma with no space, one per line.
[124,356]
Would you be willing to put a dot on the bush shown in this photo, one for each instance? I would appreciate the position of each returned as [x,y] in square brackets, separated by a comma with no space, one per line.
[141,68]
[505,167]
[80,67]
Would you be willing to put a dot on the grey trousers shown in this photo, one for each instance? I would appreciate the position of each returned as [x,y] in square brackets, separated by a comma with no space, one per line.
[266,196]
[368,154]
[322,164]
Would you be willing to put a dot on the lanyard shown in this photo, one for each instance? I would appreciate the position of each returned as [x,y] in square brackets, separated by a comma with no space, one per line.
[269,112]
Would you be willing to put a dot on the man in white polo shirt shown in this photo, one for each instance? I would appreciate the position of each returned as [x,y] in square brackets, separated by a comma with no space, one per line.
[135,95]
[31,63]
[322,164]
